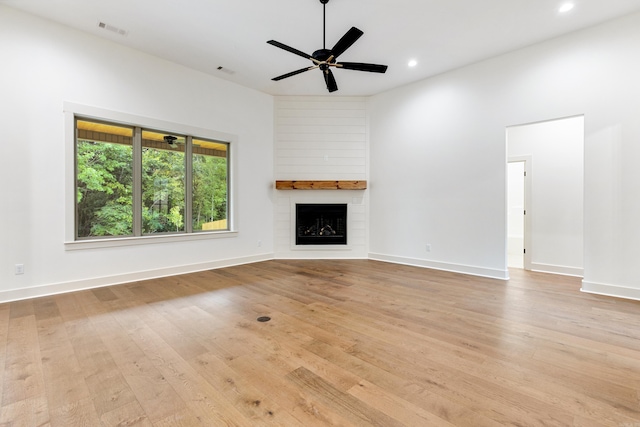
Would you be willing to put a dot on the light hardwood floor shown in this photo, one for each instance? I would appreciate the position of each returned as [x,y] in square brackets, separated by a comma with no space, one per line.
[350,343]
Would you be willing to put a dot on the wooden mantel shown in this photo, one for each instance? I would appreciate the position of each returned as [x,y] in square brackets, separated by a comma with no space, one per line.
[321,185]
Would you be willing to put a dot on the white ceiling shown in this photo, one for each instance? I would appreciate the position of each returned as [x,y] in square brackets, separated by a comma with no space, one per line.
[440,34]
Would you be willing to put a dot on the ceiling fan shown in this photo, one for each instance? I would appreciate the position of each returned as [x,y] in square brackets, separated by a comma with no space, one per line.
[325,58]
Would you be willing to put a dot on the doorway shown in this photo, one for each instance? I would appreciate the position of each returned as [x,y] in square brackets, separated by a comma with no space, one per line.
[545,183]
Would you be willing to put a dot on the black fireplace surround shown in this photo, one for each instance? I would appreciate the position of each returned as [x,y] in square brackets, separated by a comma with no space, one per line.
[321,224]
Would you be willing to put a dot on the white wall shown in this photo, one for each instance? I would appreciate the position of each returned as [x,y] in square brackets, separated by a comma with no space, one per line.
[438,155]
[556,150]
[321,138]
[45,65]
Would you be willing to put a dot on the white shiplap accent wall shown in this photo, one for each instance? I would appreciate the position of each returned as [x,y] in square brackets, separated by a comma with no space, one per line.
[321,138]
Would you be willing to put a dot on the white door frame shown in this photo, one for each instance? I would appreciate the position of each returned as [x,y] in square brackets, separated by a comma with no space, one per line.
[528,207]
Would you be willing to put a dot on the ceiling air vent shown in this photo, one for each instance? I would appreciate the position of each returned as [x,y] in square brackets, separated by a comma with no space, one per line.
[112,28]
[226,70]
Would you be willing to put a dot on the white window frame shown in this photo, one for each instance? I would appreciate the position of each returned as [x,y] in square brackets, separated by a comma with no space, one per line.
[71,110]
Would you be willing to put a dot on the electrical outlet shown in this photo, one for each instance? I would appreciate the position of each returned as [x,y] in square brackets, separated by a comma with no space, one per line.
[428,247]
[19,268]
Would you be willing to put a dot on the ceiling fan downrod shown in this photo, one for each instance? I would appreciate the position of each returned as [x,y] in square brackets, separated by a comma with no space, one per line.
[324,23]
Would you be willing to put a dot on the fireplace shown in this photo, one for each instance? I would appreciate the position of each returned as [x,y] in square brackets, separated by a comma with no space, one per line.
[321,224]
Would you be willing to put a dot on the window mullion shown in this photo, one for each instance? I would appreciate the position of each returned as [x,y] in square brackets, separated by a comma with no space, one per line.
[188,183]
[230,224]
[137,181]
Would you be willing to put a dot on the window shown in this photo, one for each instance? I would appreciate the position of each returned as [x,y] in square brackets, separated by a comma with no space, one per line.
[133,181]
[163,182]
[209,186]
[104,179]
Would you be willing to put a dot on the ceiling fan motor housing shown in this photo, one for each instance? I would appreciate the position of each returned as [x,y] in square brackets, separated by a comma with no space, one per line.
[322,55]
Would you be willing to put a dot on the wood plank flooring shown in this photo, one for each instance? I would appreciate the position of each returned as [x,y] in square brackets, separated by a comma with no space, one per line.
[349,343]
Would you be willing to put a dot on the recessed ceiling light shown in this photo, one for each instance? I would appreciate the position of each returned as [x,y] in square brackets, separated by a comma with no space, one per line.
[412,63]
[566,7]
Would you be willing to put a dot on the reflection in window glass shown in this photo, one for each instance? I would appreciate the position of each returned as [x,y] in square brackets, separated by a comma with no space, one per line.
[163,172]
[104,179]
[210,185]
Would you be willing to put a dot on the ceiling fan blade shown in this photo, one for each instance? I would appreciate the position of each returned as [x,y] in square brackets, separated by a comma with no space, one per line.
[346,41]
[359,66]
[293,73]
[290,49]
[332,86]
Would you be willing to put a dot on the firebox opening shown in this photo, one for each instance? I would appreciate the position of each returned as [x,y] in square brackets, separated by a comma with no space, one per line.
[321,224]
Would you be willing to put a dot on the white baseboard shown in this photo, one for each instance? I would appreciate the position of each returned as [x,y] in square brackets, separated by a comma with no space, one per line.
[319,256]
[557,269]
[97,282]
[64,287]
[455,268]
[610,290]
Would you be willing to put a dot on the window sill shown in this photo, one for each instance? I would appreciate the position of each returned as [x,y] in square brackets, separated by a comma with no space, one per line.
[145,240]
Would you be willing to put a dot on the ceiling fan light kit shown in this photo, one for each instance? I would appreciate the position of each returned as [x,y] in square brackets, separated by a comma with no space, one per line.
[323,59]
